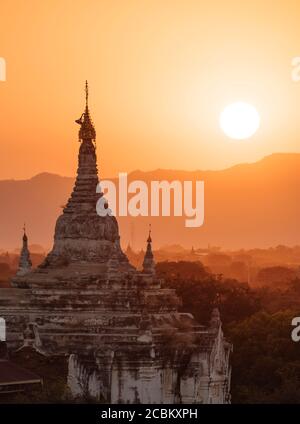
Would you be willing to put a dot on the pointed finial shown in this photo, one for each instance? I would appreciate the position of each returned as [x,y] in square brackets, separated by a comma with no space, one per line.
[149,240]
[24,232]
[87,130]
[86,94]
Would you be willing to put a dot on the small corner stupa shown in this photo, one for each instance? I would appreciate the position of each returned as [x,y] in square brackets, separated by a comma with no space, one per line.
[119,328]
[148,263]
[25,263]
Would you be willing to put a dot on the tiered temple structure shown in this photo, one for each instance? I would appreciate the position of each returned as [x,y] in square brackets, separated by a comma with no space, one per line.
[121,332]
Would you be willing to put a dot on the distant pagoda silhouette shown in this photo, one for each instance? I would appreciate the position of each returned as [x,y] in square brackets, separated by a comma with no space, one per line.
[121,331]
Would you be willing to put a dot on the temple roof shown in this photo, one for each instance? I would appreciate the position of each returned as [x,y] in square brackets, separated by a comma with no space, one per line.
[11,374]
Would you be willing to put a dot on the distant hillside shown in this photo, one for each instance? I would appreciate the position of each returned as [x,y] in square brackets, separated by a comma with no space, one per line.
[37,202]
[248,205]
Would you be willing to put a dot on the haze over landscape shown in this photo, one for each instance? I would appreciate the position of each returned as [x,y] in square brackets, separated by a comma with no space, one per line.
[248,205]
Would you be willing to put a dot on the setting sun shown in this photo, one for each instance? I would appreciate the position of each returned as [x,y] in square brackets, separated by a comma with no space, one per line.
[239,120]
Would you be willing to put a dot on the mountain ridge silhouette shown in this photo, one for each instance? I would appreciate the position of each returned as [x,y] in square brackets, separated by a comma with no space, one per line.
[246,205]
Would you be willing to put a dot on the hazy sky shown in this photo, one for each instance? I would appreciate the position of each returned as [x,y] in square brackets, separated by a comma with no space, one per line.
[160,72]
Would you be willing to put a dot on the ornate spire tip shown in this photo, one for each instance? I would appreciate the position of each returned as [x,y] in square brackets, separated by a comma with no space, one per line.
[24,233]
[149,240]
[86,93]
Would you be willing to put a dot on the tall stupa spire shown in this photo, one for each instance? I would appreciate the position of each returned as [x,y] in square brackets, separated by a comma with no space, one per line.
[80,233]
[149,264]
[25,263]
[84,195]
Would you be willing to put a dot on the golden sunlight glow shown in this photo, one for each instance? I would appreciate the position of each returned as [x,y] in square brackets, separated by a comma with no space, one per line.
[239,120]
[156,88]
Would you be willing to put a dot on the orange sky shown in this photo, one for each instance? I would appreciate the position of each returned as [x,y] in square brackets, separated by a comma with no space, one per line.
[160,72]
